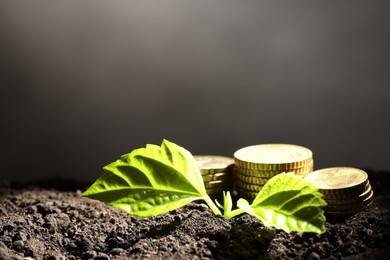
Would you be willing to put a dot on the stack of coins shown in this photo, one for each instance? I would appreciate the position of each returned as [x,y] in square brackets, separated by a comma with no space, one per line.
[346,190]
[255,165]
[216,173]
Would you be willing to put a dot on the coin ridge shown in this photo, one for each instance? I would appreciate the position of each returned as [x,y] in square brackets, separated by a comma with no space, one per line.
[352,204]
[251,180]
[249,187]
[345,193]
[216,176]
[271,173]
[349,196]
[214,184]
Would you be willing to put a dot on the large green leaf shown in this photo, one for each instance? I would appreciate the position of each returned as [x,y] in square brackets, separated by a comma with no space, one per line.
[151,181]
[290,203]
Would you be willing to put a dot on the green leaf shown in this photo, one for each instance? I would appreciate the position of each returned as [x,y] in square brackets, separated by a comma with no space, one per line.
[151,181]
[290,203]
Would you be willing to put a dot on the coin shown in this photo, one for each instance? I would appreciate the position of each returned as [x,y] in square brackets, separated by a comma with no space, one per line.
[251,180]
[340,200]
[249,187]
[346,190]
[271,173]
[304,170]
[339,180]
[346,194]
[223,176]
[351,206]
[214,184]
[273,157]
[209,164]
[255,173]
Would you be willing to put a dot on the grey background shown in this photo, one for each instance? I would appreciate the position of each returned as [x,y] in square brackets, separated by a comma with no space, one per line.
[83,82]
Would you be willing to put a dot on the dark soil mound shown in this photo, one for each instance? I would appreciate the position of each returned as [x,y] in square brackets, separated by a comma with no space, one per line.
[56,223]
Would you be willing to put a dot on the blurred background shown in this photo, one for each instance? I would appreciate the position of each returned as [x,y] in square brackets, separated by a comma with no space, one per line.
[85,82]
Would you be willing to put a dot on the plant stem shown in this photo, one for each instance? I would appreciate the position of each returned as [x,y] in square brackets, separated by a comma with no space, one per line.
[233,213]
[212,205]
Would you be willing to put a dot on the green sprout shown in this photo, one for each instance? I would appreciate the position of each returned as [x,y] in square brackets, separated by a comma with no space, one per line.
[156,179]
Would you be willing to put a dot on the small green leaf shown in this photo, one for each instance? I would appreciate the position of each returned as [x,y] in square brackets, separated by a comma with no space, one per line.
[151,181]
[228,205]
[290,203]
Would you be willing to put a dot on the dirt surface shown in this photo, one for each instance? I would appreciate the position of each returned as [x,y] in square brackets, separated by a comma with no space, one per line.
[49,220]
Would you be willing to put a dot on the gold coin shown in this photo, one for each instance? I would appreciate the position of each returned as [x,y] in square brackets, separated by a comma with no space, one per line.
[353,194]
[273,157]
[304,170]
[249,187]
[343,199]
[251,180]
[360,200]
[214,184]
[256,173]
[339,180]
[209,164]
[220,176]
[351,206]
[271,173]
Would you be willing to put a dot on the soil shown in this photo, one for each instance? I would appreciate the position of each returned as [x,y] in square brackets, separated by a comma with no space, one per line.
[49,220]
